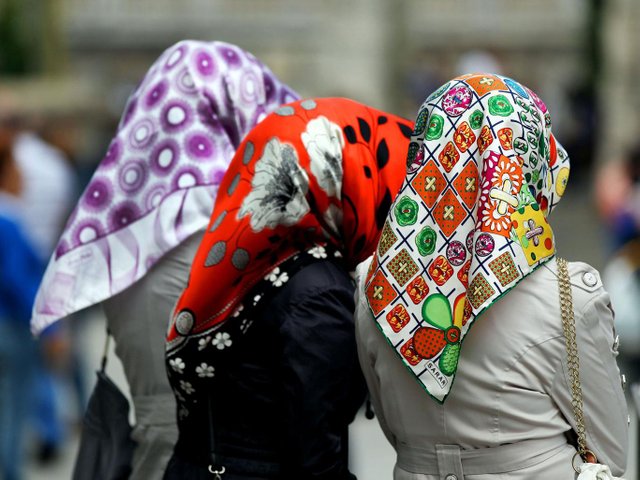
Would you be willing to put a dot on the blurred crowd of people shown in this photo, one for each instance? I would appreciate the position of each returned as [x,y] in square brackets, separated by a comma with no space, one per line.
[617,195]
[37,188]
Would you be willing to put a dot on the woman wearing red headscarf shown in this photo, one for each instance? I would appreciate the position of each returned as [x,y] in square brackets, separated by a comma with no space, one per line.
[261,349]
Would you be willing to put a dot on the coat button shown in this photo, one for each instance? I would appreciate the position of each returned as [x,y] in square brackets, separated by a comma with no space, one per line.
[623,381]
[616,343]
[589,279]
[451,476]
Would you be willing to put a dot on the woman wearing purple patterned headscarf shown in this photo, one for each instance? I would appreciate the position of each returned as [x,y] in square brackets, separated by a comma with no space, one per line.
[131,238]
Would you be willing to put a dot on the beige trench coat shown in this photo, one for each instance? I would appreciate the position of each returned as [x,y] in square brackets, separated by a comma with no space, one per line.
[510,405]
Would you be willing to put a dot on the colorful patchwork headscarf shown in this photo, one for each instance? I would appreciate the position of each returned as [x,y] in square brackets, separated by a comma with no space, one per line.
[470,221]
[316,172]
[158,180]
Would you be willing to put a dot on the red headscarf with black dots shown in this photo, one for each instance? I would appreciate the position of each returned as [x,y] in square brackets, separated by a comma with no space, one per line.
[315,172]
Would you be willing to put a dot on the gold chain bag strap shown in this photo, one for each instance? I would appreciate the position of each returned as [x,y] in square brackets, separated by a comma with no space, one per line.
[591,469]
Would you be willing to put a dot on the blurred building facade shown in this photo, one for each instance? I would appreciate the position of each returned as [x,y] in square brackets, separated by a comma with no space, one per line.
[357,47]
[620,95]
[383,52]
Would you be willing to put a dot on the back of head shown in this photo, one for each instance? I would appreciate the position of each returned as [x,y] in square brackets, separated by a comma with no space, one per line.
[10,181]
[316,172]
[5,148]
[470,221]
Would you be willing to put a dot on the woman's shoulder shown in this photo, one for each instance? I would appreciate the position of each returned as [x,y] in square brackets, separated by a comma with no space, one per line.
[582,276]
[322,275]
[587,288]
[361,271]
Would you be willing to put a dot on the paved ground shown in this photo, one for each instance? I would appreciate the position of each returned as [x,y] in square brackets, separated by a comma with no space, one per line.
[579,237]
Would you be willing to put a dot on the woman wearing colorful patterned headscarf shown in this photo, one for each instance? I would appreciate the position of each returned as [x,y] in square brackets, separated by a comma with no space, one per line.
[261,349]
[469,227]
[131,238]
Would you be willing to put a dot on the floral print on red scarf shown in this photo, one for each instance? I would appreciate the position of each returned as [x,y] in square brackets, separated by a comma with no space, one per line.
[316,172]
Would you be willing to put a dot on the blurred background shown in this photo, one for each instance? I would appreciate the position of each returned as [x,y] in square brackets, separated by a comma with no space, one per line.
[68,66]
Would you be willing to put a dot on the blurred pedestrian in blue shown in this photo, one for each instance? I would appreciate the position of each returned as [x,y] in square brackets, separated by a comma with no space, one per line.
[48,190]
[20,273]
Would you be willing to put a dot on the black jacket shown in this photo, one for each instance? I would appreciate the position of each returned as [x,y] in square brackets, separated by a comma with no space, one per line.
[282,402]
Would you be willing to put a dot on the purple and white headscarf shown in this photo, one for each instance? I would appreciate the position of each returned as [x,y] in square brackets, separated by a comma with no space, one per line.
[158,181]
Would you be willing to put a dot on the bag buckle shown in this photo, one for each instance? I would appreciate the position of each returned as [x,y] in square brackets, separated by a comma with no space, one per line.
[589,457]
[217,474]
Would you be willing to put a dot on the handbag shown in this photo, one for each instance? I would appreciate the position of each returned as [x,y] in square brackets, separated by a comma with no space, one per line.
[106,447]
[590,469]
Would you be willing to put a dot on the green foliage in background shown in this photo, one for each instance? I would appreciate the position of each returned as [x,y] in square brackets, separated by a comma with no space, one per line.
[20,37]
